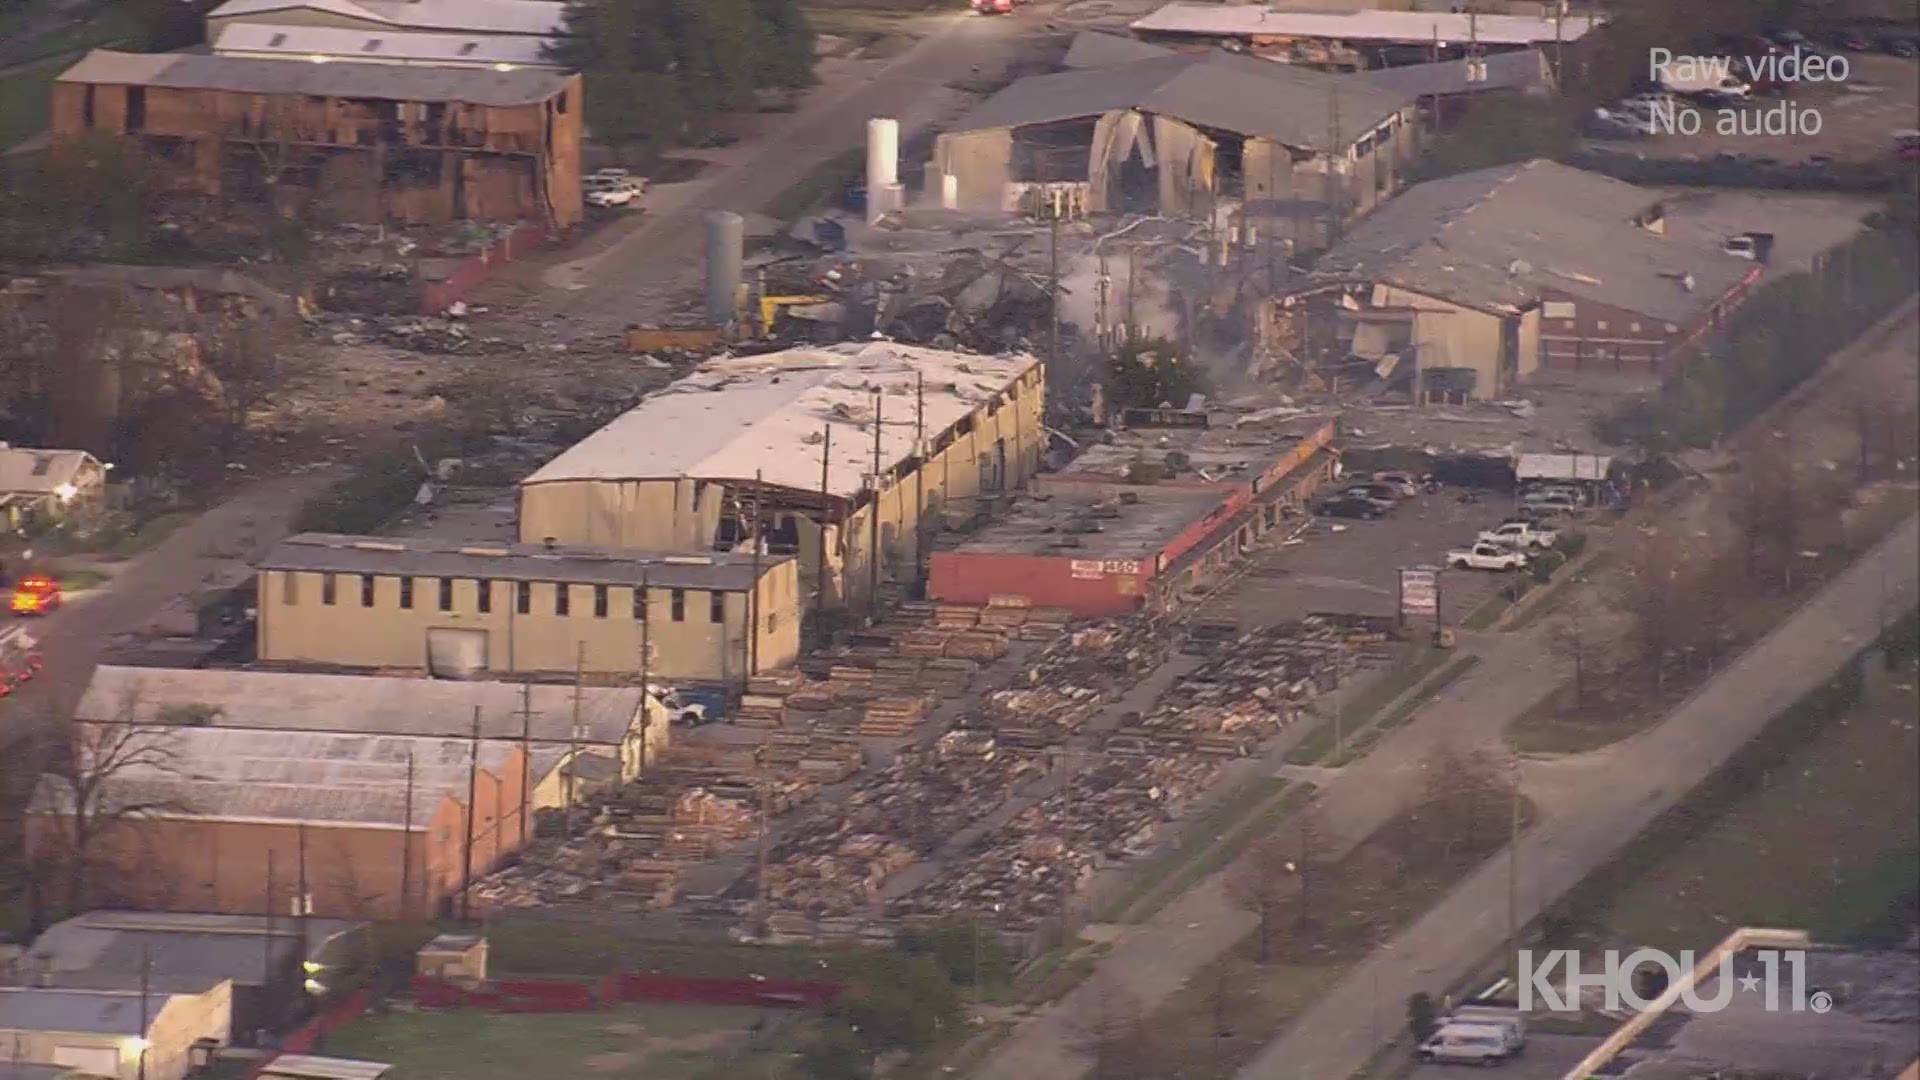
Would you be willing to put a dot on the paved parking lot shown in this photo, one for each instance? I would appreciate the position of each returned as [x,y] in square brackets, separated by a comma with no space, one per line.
[1547,1057]
[1352,566]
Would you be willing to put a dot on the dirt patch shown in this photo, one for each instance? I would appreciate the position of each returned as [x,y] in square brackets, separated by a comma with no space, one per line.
[612,1061]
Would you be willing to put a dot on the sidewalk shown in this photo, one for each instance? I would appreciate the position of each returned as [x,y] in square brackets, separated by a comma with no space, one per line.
[1633,783]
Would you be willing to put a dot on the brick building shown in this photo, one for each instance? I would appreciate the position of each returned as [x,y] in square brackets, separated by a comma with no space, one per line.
[235,821]
[364,142]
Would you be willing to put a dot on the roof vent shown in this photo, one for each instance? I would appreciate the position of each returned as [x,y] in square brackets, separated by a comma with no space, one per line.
[276,41]
[377,545]
[372,45]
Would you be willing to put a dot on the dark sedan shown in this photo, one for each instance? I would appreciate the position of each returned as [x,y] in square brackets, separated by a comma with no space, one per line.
[1345,507]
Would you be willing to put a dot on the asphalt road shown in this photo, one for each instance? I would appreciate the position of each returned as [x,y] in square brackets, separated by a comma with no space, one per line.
[608,290]
[1632,783]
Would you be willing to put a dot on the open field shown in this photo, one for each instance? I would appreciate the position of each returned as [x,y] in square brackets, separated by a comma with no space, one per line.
[655,1042]
[1818,831]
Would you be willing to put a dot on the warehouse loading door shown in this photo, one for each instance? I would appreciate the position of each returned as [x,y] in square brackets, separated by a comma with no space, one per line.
[456,654]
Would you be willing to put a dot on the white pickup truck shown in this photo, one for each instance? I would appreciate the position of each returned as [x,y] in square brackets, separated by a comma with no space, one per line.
[1521,534]
[1486,556]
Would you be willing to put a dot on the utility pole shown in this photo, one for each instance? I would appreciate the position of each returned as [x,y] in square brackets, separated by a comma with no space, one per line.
[1053,286]
[573,729]
[760,875]
[526,758]
[406,847]
[646,655]
[1336,169]
[305,910]
[1559,60]
[753,592]
[146,976]
[920,475]
[820,578]
[873,519]
[1513,866]
[466,850]
[266,963]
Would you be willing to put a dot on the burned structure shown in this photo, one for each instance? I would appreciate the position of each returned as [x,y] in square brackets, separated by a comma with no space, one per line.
[362,142]
[1227,138]
[534,19]
[1356,40]
[847,457]
[1466,286]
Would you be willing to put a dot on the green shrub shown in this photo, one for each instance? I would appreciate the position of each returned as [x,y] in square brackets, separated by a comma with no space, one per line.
[380,487]
[1572,544]
[969,952]
[901,1002]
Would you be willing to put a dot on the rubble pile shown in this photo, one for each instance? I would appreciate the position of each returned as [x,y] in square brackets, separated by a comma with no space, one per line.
[834,862]
[1027,869]
[1031,717]
[627,849]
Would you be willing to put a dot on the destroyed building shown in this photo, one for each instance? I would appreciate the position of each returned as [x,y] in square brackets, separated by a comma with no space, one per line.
[461,610]
[535,19]
[1133,522]
[1464,287]
[1356,40]
[1446,89]
[361,142]
[1222,137]
[338,45]
[787,447]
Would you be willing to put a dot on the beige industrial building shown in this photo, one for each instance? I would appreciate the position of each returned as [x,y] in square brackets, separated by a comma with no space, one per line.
[1208,135]
[458,611]
[115,1034]
[786,446]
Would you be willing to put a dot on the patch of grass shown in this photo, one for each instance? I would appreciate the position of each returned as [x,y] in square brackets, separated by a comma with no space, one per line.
[82,578]
[1812,823]
[1403,711]
[1056,972]
[1214,850]
[26,98]
[816,187]
[1488,611]
[1194,836]
[1370,700]
[555,948]
[379,488]
[148,533]
[669,1042]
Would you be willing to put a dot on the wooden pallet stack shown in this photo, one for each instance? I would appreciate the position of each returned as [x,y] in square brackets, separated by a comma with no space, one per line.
[763,711]
[892,717]
[982,644]
[1044,624]
[948,677]
[922,643]
[955,617]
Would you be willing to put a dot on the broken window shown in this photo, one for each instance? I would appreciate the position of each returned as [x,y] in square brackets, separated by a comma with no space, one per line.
[366,590]
[639,604]
[86,106]
[679,605]
[1052,153]
[41,463]
[483,589]
[523,602]
[289,588]
[446,594]
[411,168]
[716,607]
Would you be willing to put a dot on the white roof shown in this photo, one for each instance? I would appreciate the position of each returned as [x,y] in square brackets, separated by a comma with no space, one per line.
[534,17]
[38,472]
[376,46]
[318,778]
[1413,27]
[1562,466]
[309,1067]
[358,704]
[741,415]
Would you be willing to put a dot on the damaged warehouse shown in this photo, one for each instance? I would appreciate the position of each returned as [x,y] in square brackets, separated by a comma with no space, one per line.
[827,454]
[1464,287]
[363,142]
[1215,136]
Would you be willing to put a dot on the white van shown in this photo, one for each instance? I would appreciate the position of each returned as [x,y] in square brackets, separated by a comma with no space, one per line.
[1471,1044]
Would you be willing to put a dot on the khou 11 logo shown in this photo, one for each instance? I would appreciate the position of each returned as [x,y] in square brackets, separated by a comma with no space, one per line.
[1616,981]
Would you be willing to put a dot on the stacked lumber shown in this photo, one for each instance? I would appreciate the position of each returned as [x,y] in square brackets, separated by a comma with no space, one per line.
[761,711]
[1044,624]
[955,616]
[982,644]
[778,683]
[891,717]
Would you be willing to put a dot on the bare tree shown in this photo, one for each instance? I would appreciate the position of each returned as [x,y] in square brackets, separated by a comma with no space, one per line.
[85,791]
[1464,792]
[1652,597]
[250,359]
[1571,638]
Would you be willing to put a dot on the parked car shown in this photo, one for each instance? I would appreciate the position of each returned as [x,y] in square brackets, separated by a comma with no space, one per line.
[1612,124]
[1386,494]
[622,193]
[35,594]
[1343,507]
[1899,46]
[605,176]
[1851,40]
[1486,556]
[1521,534]
[1492,1016]
[1406,485]
[1552,502]
[1468,1044]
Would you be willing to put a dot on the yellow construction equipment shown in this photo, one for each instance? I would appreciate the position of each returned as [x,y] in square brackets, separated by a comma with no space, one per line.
[770,307]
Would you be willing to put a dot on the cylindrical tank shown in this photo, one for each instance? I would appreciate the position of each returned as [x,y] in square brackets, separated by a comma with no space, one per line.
[725,236]
[883,153]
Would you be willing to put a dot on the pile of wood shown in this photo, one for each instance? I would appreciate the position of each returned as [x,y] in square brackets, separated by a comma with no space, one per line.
[892,717]
[823,759]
